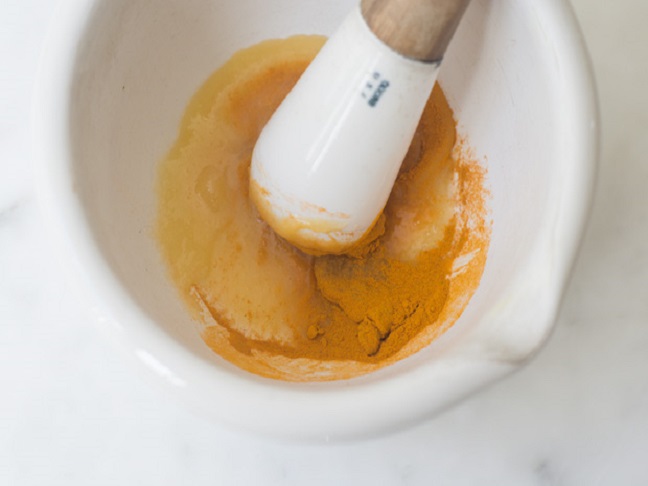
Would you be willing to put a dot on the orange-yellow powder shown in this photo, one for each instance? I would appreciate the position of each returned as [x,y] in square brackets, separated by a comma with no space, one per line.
[281,313]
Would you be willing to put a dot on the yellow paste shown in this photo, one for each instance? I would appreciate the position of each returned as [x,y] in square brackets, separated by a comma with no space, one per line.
[275,311]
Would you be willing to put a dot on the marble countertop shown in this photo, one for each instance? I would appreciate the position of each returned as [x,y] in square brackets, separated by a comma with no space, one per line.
[72,413]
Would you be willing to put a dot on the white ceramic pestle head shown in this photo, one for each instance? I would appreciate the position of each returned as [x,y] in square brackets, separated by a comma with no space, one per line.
[324,165]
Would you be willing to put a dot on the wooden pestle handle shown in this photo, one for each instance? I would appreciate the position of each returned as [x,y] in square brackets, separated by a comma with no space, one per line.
[418,29]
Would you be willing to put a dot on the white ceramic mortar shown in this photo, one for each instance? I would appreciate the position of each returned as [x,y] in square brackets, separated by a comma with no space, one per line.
[116,77]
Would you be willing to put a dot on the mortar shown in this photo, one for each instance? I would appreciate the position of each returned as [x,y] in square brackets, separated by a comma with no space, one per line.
[115,79]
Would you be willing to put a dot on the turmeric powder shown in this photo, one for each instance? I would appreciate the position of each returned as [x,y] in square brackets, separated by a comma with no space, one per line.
[281,313]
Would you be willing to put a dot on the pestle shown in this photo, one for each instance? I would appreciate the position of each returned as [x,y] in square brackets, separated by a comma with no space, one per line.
[326,161]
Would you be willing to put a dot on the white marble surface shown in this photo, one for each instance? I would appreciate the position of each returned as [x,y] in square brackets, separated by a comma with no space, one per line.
[71,412]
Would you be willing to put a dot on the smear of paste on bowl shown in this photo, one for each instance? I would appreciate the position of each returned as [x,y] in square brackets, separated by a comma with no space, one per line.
[275,311]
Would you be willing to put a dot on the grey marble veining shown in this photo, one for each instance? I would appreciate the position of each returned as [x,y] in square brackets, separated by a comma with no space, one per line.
[7,213]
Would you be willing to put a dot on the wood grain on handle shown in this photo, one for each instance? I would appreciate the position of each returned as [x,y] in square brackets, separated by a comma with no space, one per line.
[418,29]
